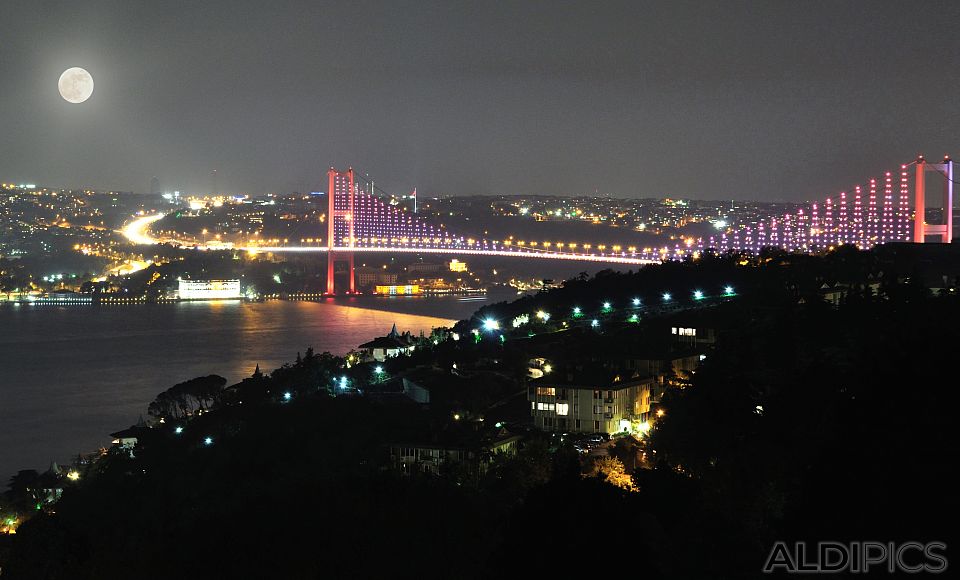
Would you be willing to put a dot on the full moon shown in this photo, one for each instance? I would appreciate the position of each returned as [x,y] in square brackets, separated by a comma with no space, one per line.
[76,85]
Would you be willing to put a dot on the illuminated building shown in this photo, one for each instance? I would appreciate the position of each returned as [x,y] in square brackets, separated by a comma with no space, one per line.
[208,289]
[566,403]
[457,266]
[397,290]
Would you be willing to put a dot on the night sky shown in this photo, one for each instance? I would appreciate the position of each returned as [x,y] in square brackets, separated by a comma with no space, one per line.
[753,100]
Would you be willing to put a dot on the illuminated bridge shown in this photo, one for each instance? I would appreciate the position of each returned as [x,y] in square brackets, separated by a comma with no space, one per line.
[882,210]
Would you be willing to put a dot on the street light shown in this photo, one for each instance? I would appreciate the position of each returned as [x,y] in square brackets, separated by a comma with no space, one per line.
[698,294]
[491,324]
[636,302]
[728,290]
[667,297]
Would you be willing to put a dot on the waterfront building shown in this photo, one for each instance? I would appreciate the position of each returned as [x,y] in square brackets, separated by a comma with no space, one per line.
[208,289]
[397,290]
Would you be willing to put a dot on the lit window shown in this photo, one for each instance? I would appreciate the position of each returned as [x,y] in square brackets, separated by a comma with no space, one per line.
[563,409]
[547,391]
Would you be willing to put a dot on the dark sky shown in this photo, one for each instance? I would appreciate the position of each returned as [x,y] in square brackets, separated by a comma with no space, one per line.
[759,100]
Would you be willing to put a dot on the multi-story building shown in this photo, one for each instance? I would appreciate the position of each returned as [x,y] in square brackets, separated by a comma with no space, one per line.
[602,403]
[367,277]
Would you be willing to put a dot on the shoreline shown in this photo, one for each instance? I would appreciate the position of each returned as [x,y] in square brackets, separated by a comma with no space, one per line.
[125,391]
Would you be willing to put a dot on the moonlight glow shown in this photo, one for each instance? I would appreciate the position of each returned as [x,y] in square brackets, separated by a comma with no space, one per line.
[76,85]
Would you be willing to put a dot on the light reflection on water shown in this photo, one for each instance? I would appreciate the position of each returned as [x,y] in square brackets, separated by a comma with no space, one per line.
[71,375]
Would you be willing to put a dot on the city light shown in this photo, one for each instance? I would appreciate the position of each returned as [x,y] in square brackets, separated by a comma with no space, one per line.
[547,368]
[698,294]
[667,297]
[544,316]
[636,302]
[577,311]
[178,430]
[606,306]
[378,370]
[287,396]
[208,441]
[73,475]
[490,324]
[594,323]
[728,290]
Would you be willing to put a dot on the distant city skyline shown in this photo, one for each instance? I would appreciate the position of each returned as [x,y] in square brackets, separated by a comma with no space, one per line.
[747,100]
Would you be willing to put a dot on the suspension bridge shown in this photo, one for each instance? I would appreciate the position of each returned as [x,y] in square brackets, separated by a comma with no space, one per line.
[882,210]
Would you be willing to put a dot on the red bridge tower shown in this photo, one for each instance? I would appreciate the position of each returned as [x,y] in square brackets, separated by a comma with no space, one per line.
[341,207]
[921,228]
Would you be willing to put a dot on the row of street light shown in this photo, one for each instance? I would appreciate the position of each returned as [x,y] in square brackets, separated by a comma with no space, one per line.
[492,324]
